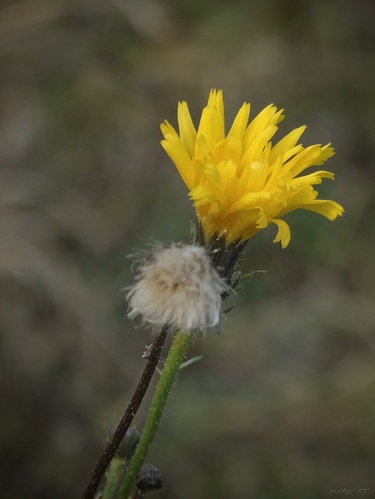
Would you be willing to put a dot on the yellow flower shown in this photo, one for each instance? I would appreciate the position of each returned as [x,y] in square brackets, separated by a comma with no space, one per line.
[240,182]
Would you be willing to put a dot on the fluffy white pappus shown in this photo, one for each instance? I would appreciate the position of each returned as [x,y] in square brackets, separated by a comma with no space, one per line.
[179,287]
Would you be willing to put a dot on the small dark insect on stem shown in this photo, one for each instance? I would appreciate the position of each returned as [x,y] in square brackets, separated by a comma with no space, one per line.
[153,357]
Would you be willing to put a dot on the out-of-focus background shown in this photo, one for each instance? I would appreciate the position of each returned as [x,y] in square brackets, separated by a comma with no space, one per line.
[282,404]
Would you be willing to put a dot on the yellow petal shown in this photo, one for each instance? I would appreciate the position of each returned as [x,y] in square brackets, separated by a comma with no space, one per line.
[283,232]
[286,144]
[188,133]
[211,126]
[269,116]
[311,179]
[329,209]
[240,121]
[178,154]
[249,201]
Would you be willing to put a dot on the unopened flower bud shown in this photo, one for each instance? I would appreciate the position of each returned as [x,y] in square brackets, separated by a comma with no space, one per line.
[148,478]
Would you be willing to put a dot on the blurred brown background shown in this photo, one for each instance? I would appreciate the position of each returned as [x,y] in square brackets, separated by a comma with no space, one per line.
[282,403]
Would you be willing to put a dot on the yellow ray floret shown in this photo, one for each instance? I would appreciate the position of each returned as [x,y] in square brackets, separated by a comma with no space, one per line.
[239,182]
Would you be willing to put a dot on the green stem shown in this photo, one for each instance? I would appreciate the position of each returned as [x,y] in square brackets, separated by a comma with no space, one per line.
[172,365]
[113,477]
[152,361]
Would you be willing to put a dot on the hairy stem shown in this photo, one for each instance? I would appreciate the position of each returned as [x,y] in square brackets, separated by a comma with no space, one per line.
[168,376]
[152,360]
[113,477]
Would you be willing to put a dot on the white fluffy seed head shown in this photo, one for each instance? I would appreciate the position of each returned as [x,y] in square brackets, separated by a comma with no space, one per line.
[177,286]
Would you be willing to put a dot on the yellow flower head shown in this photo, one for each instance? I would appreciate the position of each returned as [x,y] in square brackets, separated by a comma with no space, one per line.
[240,182]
